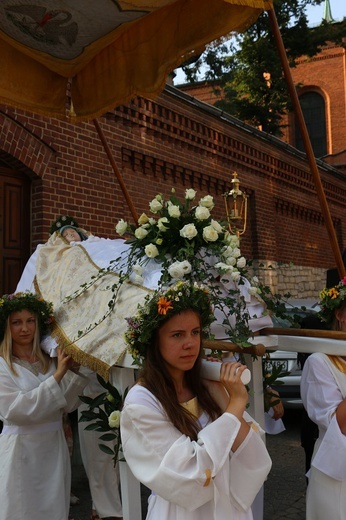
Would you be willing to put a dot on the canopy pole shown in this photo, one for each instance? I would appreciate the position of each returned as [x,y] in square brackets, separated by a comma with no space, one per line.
[307,143]
[116,171]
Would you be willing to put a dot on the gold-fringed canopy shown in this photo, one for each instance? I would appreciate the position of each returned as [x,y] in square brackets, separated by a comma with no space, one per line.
[77,59]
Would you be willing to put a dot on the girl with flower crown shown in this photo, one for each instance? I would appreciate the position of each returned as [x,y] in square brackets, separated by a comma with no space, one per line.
[323,391]
[190,441]
[34,392]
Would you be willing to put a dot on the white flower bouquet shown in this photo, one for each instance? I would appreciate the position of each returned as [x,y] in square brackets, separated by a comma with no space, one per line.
[190,245]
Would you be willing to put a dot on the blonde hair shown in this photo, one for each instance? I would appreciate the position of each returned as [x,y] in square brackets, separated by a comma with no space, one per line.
[6,348]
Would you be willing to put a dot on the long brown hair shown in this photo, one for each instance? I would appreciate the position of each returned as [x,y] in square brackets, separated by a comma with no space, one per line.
[157,379]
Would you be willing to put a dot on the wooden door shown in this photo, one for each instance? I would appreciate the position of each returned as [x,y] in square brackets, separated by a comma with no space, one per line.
[14,227]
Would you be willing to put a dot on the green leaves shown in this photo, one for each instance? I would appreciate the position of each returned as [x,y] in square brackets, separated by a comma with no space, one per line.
[97,415]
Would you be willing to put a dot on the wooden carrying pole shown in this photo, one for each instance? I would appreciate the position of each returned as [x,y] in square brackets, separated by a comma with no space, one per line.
[116,171]
[307,143]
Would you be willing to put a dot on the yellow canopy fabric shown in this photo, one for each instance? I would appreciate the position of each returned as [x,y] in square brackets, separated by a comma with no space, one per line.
[61,270]
[104,53]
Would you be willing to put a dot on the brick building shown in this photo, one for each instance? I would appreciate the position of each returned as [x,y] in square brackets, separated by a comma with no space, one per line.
[322,93]
[50,167]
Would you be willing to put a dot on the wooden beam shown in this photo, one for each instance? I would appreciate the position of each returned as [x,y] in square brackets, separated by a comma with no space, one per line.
[116,171]
[307,143]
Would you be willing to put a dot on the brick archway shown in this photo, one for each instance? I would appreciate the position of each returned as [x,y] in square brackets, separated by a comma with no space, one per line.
[22,149]
[23,161]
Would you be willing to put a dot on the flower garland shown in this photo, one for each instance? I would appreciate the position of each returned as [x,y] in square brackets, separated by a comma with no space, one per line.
[63,220]
[25,300]
[160,306]
[331,299]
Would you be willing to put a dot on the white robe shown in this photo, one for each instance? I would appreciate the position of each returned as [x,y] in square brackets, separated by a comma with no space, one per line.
[323,387]
[176,469]
[35,471]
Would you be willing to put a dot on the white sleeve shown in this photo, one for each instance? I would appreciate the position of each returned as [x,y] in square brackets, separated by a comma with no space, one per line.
[72,386]
[182,471]
[320,394]
[321,397]
[32,406]
[37,401]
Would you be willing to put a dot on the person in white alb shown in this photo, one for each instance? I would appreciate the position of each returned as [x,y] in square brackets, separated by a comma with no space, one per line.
[188,440]
[35,391]
[323,391]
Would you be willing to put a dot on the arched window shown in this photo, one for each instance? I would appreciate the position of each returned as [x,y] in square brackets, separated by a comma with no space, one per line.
[314,112]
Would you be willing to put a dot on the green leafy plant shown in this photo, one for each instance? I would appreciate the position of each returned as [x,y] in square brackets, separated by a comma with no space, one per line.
[103,415]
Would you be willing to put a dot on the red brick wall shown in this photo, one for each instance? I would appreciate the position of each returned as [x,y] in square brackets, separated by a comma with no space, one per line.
[171,142]
[325,74]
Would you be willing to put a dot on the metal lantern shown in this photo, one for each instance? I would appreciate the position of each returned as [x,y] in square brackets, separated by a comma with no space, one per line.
[236,207]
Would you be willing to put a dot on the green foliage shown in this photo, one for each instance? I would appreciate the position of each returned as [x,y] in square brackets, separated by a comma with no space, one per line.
[103,415]
[248,68]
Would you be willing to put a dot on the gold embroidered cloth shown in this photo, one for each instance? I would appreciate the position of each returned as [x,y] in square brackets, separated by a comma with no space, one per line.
[61,270]
[106,52]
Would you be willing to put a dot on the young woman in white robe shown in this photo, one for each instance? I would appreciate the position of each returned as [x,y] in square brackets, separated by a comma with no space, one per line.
[35,390]
[189,441]
[323,391]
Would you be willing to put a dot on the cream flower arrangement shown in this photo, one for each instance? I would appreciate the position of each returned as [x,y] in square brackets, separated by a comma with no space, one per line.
[192,246]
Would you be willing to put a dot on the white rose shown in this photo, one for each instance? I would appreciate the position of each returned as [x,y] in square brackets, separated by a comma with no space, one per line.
[241,262]
[255,280]
[216,225]
[210,234]
[188,231]
[227,251]
[179,269]
[223,267]
[230,260]
[253,291]
[121,227]
[143,219]
[173,211]
[190,194]
[232,240]
[155,206]
[151,250]
[236,252]
[161,223]
[114,419]
[235,276]
[141,233]
[202,213]
[207,202]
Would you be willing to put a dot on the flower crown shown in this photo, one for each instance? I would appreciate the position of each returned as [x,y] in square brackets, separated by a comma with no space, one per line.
[63,220]
[331,299]
[161,306]
[25,300]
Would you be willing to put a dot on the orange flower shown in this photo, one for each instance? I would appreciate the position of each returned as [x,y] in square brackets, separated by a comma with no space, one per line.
[333,293]
[164,305]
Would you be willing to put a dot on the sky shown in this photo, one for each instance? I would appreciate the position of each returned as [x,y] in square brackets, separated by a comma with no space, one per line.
[315,14]
[338,8]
